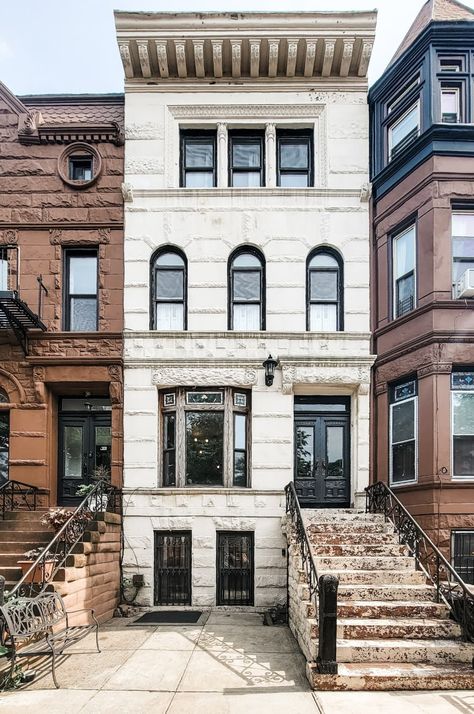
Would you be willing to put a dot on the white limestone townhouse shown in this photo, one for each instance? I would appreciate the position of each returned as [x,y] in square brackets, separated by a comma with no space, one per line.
[246,236]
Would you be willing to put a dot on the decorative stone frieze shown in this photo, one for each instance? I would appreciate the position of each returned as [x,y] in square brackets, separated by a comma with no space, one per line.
[204,377]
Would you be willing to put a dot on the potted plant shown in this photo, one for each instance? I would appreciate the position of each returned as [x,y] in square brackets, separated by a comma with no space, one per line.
[100,503]
[57,517]
[43,570]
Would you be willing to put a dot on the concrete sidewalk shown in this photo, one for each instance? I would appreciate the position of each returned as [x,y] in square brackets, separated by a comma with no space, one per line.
[232,664]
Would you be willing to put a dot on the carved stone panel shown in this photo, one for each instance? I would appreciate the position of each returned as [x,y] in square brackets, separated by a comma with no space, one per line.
[204,377]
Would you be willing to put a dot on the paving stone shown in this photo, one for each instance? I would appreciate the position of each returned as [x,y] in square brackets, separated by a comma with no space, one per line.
[152,670]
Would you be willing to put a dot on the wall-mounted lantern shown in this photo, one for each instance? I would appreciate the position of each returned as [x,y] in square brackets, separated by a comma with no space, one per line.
[270,365]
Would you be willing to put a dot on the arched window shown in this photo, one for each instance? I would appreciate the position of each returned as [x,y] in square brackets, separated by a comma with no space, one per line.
[246,290]
[4,399]
[325,291]
[168,290]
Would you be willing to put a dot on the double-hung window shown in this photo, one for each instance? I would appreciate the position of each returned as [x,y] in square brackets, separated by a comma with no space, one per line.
[403,432]
[81,311]
[462,399]
[403,131]
[168,284]
[450,104]
[404,271]
[246,290]
[205,437]
[294,158]
[462,229]
[246,159]
[198,159]
[324,290]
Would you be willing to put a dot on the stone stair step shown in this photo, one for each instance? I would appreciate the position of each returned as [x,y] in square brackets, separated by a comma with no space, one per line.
[16,546]
[376,577]
[405,650]
[391,609]
[365,563]
[388,593]
[26,535]
[405,676]
[346,528]
[348,550]
[396,628]
[15,526]
[11,574]
[24,515]
[339,515]
[326,537]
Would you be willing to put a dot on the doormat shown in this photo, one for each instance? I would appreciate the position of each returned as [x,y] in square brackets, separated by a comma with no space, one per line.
[168,617]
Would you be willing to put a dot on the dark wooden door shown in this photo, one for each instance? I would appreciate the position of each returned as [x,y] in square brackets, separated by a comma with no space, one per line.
[172,568]
[322,469]
[84,446]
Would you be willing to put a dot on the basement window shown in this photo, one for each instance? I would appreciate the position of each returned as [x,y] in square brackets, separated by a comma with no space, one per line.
[462,549]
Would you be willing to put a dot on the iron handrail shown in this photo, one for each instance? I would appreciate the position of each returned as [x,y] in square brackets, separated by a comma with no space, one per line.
[103,497]
[309,565]
[450,587]
[15,495]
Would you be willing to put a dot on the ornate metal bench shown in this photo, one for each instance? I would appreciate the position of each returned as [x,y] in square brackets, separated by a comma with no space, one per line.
[39,626]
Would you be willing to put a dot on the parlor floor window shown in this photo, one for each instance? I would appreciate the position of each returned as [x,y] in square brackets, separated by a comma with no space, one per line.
[204,437]
[403,432]
[462,385]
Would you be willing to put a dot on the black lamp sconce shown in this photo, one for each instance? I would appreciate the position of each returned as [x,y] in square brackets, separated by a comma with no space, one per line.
[269,366]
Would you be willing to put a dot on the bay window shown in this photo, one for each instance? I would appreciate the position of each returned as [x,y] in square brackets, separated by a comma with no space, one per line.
[462,400]
[404,130]
[404,272]
[462,230]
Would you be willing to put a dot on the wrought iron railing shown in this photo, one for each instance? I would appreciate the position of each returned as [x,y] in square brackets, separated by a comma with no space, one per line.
[450,587]
[322,590]
[103,497]
[17,496]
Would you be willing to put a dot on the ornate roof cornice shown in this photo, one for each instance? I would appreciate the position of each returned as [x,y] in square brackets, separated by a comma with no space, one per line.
[172,48]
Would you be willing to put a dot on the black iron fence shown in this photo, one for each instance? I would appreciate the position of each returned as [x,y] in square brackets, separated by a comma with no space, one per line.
[17,496]
[322,590]
[102,498]
[450,587]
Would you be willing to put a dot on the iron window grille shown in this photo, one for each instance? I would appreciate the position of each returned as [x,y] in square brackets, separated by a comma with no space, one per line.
[246,282]
[246,158]
[168,295]
[324,291]
[403,432]
[81,303]
[198,159]
[295,158]
[462,554]
[172,568]
[235,568]
[205,442]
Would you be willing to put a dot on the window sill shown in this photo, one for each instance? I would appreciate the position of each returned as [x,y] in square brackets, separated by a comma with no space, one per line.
[229,192]
[413,482]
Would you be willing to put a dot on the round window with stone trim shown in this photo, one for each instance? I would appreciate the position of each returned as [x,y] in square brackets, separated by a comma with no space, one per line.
[79,165]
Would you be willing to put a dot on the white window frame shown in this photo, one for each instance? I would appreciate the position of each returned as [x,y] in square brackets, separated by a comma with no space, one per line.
[395,237]
[454,477]
[416,106]
[394,484]
[456,92]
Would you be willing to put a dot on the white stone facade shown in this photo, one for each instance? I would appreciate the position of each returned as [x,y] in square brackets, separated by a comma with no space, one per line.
[207,224]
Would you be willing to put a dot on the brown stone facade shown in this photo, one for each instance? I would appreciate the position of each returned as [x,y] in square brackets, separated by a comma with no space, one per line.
[427,343]
[42,215]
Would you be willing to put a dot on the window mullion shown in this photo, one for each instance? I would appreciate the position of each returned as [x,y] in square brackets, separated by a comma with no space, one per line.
[180,444]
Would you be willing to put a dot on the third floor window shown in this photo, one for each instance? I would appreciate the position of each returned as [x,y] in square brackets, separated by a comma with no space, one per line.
[246,290]
[81,308]
[169,284]
[294,158]
[198,159]
[246,159]
[403,131]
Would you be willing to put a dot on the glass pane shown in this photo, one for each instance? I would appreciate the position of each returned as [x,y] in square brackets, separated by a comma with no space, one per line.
[463,456]
[204,398]
[294,156]
[246,260]
[460,267]
[169,468]
[405,295]
[83,315]
[242,179]
[404,253]
[403,127]
[403,421]
[403,462]
[4,444]
[246,317]
[463,224]
[199,154]
[403,391]
[294,180]
[199,179]
[449,102]
[323,260]
[246,154]
[169,431]
[204,447]
[80,169]
[463,413]
[103,441]
[324,285]
[463,247]
[323,318]
[240,469]
[83,275]
[169,284]
[246,285]
[90,404]
[3,274]
[240,431]
[335,450]
[169,316]
[73,452]
[304,451]
[4,399]
[170,260]
[460,380]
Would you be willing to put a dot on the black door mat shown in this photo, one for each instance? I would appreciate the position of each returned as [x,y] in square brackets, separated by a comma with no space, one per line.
[168,617]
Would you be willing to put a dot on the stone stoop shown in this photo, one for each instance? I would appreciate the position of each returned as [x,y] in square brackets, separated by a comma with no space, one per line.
[391,632]
[20,531]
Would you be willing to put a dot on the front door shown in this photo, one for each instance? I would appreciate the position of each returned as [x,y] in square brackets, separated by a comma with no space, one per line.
[322,469]
[172,568]
[84,451]
[234,568]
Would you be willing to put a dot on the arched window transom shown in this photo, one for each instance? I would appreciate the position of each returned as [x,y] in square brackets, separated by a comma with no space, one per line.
[169,291]
[324,292]
[246,291]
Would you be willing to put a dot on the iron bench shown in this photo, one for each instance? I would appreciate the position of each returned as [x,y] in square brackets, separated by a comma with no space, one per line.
[39,626]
